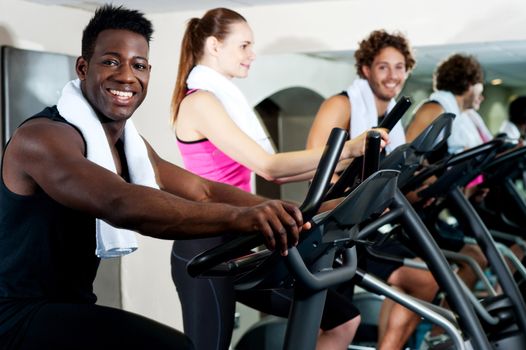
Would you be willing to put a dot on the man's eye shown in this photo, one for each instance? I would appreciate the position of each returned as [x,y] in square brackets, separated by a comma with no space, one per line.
[110,63]
[140,66]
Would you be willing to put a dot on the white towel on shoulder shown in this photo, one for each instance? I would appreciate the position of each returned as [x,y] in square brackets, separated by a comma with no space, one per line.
[236,105]
[455,141]
[447,101]
[73,106]
[365,116]
[483,130]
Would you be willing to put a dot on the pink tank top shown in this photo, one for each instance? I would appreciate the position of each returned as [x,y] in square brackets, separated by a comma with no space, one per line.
[203,158]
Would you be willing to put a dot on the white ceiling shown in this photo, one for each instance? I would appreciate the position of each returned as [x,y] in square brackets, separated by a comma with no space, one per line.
[503,60]
[159,6]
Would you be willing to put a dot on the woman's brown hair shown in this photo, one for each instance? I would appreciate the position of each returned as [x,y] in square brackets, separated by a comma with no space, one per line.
[214,23]
[457,73]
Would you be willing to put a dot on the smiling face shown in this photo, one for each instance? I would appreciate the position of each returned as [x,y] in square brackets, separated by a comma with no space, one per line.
[115,79]
[235,53]
[387,73]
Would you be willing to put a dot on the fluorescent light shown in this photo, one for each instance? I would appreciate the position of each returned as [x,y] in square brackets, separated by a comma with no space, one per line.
[496,81]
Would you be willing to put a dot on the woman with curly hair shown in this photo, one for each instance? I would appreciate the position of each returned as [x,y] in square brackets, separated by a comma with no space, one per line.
[457,83]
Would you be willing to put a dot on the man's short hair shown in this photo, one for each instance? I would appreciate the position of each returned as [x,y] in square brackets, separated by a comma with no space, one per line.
[457,73]
[112,17]
[517,111]
[378,40]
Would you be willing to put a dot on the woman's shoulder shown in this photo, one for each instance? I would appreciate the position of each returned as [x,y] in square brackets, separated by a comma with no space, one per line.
[200,98]
[198,94]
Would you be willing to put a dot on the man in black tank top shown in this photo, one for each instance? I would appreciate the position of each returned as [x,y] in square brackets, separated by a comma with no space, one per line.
[51,194]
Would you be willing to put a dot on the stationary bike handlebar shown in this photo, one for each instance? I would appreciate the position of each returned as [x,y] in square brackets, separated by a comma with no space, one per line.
[325,279]
[355,168]
[220,255]
[460,168]
[371,159]
[396,113]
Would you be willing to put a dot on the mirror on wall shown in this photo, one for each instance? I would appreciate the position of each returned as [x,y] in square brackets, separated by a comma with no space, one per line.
[287,116]
[289,112]
[30,80]
[504,64]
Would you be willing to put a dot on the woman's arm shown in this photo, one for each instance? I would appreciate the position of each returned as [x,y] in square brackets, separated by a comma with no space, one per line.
[424,116]
[202,113]
[204,116]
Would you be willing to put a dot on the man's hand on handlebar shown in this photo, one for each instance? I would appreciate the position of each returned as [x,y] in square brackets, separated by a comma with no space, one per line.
[356,146]
[279,222]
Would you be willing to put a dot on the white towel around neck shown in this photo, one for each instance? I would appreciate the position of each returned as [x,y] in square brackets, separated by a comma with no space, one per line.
[236,105]
[455,141]
[447,100]
[72,106]
[365,116]
[481,126]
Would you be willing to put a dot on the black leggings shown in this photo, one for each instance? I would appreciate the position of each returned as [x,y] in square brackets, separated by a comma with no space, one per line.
[86,326]
[208,305]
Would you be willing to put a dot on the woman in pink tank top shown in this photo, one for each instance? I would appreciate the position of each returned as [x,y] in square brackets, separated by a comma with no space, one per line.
[209,120]
[220,139]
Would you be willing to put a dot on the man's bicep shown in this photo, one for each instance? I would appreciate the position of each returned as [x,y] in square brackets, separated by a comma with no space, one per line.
[333,113]
[54,160]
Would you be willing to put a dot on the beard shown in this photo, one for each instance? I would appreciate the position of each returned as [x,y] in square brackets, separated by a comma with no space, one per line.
[377,91]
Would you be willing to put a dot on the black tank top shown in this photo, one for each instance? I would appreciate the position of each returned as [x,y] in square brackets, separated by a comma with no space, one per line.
[47,252]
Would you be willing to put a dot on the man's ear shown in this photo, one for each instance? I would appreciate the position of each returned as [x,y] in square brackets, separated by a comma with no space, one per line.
[81,66]
[212,45]
[366,71]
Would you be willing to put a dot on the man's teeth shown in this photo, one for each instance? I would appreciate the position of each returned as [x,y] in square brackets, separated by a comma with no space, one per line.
[121,93]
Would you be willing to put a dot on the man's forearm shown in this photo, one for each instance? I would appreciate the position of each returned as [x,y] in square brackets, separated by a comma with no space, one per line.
[222,193]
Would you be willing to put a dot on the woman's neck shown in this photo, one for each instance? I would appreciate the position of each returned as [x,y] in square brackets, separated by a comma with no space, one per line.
[212,64]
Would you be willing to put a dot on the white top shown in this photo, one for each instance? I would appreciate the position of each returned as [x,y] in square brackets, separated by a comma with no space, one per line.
[483,130]
[456,140]
[510,129]
[470,131]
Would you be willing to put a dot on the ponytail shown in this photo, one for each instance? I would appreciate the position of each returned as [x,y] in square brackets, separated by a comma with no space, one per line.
[187,61]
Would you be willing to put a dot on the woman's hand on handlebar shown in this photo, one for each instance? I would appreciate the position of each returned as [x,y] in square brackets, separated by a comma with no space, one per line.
[356,146]
[279,222]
